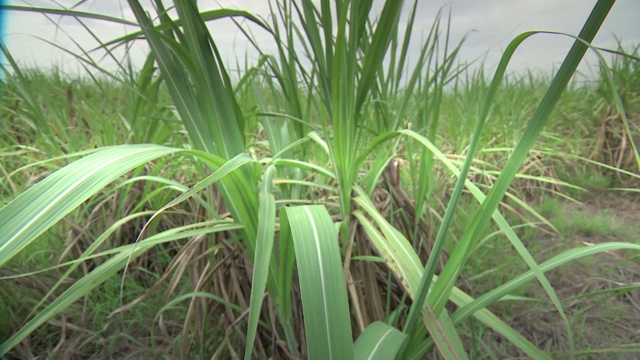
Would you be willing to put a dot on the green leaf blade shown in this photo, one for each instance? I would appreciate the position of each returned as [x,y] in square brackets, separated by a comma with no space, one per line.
[37,209]
[322,283]
[262,258]
[379,341]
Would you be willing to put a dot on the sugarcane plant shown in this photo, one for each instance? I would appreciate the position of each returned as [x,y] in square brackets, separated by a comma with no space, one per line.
[335,127]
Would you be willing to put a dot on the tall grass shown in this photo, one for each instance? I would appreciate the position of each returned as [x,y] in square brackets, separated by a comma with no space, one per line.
[288,200]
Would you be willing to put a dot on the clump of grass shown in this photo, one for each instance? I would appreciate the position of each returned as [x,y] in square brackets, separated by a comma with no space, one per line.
[596,226]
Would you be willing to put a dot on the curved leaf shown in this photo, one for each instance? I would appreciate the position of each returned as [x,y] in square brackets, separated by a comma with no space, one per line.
[37,209]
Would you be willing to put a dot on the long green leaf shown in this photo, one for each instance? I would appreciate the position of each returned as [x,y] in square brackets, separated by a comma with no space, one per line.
[37,209]
[264,247]
[403,261]
[540,117]
[174,71]
[224,122]
[376,50]
[401,264]
[322,283]
[561,259]
[505,228]
[203,95]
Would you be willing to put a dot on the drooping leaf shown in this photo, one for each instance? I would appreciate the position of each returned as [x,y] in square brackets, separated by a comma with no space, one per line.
[43,205]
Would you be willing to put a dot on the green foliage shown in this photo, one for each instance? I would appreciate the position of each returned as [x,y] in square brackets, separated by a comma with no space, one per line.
[288,228]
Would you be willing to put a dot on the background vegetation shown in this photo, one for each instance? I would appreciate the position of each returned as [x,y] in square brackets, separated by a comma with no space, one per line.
[335,201]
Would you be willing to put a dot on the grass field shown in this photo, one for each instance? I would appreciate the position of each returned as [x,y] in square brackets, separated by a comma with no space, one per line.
[313,207]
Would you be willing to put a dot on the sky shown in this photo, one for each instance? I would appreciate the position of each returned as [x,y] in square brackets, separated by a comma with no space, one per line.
[488,25]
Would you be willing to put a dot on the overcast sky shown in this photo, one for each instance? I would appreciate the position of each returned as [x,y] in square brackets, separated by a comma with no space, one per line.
[490,25]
